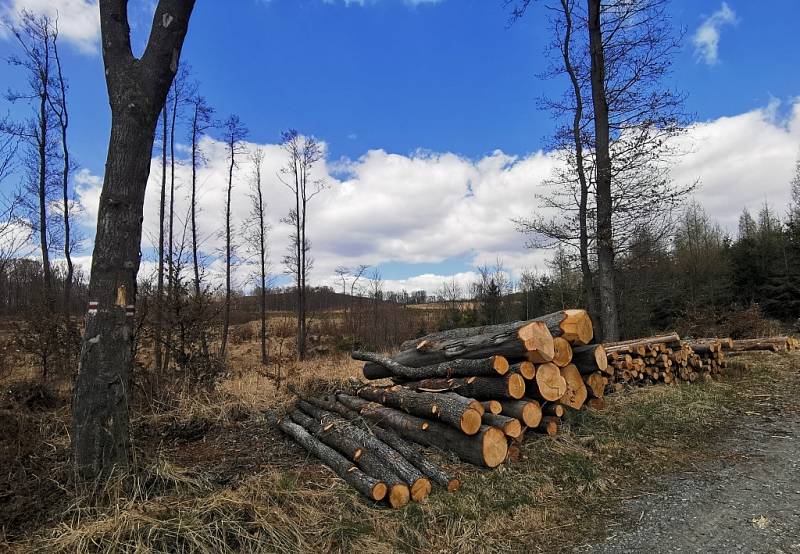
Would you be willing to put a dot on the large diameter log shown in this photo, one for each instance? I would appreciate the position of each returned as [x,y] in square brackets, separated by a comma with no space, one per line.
[576,394]
[455,413]
[370,487]
[522,339]
[398,493]
[575,326]
[595,384]
[563,351]
[509,425]
[405,448]
[486,448]
[380,367]
[549,383]
[590,358]
[527,411]
[511,386]
[419,485]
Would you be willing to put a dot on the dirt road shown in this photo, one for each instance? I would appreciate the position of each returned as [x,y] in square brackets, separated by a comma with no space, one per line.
[746,500]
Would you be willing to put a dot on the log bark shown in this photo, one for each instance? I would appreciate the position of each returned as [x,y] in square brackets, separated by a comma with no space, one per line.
[380,367]
[527,411]
[591,358]
[549,383]
[397,494]
[524,339]
[405,448]
[447,409]
[511,386]
[563,351]
[509,425]
[487,448]
[368,486]
[420,486]
[576,394]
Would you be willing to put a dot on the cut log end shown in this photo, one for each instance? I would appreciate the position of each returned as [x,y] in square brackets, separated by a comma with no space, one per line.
[399,495]
[551,385]
[532,414]
[516,386]
[526,369]
[470,421]
[538,341]
[576,394]
[577,327]
[601,358]
[420,489]
[378,491]
[453,485]
[596,403]
[563,351]
[492,406]
[513,428]
[549,426]
[494,447]
[500,364]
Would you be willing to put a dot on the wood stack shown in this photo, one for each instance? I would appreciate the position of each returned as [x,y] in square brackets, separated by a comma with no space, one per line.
[474,392]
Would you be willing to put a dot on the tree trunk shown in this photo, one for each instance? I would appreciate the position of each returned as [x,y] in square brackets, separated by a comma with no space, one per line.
[487,448]
[423,404]
[379,367]
[605,242]
[137,90]
[370,487]
[161,214]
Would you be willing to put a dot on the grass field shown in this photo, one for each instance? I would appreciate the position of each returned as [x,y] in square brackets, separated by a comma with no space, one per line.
[212,475]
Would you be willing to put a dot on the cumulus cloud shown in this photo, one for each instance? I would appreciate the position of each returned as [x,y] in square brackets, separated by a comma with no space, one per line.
[431,207]
[706,38]
[78,20]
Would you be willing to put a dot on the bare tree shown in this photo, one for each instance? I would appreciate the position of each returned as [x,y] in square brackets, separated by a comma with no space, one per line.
[137,90]
[162,206]
[234,133]
[303,153]
[257,229]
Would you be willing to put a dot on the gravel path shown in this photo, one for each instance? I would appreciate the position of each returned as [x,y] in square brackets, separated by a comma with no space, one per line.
[747,500]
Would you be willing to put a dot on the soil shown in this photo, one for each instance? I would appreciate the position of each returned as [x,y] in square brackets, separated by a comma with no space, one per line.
[747,499]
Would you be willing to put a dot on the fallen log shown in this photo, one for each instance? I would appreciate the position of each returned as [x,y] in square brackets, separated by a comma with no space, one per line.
[380,367]
[405,448]
[368,486]
[590,358]
[486,448]
[548,384]
[447,409]
[420,486]
[510,386]
[509,425]
[527,411]
[398,493]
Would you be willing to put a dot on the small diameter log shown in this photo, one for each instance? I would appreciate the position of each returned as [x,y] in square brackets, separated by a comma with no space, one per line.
[510,386]
[553,409]
[380,367]
[419,485]
[453,412]
[492,407]
[576,394]
[549,384]
[487,448]
[549,425]
[596,403]
[563,351]
[405,448]
[522,339]
[526,369]
[595,384]
[398,493]
[370,487]
[509,425]
[527,411]
[666,339]
[470,402]
[590,358]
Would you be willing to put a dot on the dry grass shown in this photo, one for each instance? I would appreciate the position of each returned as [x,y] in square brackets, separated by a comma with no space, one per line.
[557,495]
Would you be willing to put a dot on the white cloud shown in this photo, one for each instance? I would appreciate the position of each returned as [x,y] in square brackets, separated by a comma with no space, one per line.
[78,20]
[706,38]
[427,208]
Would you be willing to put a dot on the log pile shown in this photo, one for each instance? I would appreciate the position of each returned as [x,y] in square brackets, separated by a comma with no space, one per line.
[477,392]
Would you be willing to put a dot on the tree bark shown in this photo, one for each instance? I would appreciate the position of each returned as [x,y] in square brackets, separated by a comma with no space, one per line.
[487,448]
[424,404]
[370,487]
[380,367]
[605,242]
[137,91]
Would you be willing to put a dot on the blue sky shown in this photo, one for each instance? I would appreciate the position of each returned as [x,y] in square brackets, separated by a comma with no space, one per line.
[443,76]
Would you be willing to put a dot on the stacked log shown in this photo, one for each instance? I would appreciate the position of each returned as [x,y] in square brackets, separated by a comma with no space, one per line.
[774,344]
